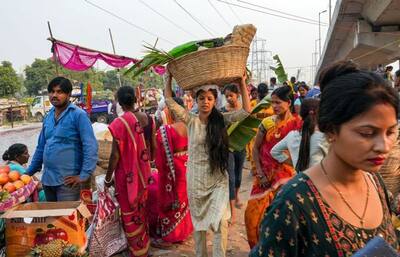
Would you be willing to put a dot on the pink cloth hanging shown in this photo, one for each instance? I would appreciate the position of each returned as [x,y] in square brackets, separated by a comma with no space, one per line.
[77,58]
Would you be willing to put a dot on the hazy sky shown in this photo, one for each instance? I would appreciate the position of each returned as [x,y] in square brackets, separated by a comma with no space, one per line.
[23,26]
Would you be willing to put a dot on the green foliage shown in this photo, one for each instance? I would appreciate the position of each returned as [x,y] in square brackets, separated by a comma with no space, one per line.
[27,100]
[41,72]
[10,82]
[38,75]
[279,70]
[240,133]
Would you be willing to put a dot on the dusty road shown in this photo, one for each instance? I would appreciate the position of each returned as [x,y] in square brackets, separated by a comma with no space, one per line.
[237,240]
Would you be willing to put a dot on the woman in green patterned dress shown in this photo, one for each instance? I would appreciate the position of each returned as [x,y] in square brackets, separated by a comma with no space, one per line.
[336,207]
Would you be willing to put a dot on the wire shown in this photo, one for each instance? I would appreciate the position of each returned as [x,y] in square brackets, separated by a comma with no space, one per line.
[168,19]
[128,22]
[272,14]
[220,14]
[376,50]
[234,13]
[285,13]
[194,18]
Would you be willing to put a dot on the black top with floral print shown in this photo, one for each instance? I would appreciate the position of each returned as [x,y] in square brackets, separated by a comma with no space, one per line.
[300,223]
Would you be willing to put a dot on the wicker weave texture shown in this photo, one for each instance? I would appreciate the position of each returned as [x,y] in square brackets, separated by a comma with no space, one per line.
[215,66]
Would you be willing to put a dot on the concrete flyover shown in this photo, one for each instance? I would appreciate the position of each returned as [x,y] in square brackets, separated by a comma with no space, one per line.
[365,31]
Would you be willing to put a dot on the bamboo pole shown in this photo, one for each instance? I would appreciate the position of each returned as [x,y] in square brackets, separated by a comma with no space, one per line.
[113,46]
[52,47]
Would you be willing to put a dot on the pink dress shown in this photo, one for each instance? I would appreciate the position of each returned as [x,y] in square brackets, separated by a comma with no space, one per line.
[131,181]
[174,220]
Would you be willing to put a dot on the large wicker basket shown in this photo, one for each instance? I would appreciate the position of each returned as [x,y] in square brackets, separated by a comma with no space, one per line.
[215,66]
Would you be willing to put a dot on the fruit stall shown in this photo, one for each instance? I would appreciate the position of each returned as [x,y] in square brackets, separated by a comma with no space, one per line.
[38,229]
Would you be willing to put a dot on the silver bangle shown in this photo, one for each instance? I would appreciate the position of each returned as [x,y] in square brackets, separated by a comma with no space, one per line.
[108,181]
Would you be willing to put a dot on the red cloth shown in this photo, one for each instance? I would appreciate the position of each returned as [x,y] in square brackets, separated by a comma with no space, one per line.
[131,181]
[175,224]
[89,98]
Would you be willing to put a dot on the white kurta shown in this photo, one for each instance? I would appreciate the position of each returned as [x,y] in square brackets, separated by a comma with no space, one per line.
[208,192]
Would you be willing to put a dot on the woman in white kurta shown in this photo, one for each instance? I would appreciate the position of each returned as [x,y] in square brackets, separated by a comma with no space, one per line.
[307,146]
[208,189]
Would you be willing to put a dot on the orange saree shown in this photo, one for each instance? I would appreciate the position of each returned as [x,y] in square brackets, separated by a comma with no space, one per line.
[278,174]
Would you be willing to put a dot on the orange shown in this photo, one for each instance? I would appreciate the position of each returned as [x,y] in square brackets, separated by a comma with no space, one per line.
[18,184]
[3,178]
[9,187]
[14,175]
[26,179]
[4,169]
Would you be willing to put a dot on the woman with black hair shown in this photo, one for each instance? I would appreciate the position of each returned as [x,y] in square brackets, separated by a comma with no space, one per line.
[270,174]
[303,90]
[16,156]
[306,147]
[129,169]
[336,207]
[236,158]
[208,152]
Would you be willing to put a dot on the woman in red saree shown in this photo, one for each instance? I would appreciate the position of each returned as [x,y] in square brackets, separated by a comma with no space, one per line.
[270,174]
[175,223]
[130,161]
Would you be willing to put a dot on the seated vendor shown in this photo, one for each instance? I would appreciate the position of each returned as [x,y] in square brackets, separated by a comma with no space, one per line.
[16,158]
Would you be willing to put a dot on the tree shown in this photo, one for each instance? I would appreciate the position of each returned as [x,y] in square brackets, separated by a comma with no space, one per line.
[41,72]
[38,75]
[10,83]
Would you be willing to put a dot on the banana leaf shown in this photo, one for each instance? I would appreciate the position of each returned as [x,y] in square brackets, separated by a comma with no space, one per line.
[241,132]
[279,70]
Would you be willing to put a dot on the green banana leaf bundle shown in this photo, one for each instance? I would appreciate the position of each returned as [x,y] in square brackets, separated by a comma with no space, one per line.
[279,70]
[241,132]
[156,57]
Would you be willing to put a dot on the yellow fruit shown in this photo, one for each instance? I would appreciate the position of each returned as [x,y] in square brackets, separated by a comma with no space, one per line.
[26,179]
[18,184]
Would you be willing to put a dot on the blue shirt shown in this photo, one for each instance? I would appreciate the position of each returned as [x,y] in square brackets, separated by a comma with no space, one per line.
[66,147]
[313,92]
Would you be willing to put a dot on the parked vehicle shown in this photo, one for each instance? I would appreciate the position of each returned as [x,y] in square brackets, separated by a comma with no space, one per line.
[40,106]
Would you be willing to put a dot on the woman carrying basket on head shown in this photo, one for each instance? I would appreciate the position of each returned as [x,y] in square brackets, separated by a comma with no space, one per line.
[207,179]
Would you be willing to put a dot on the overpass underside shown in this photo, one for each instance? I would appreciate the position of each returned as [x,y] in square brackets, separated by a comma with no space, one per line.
[365,31]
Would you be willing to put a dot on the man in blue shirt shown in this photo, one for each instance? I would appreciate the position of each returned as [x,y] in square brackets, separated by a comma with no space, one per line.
[67,147]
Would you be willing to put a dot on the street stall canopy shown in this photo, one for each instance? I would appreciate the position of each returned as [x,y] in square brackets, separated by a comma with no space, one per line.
[78,58]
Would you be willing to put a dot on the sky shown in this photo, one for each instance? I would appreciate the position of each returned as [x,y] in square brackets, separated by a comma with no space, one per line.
[23,26]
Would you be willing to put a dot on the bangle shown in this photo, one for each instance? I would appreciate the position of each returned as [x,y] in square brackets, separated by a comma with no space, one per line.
[108,181]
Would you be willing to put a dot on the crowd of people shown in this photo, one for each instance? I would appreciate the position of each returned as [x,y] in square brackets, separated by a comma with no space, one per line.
[315,161]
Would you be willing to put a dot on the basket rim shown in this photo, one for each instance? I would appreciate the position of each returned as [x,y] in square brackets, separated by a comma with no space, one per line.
[205,51]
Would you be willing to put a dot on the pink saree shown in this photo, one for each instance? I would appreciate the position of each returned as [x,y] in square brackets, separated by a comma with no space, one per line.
[175,223]
[131,181]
